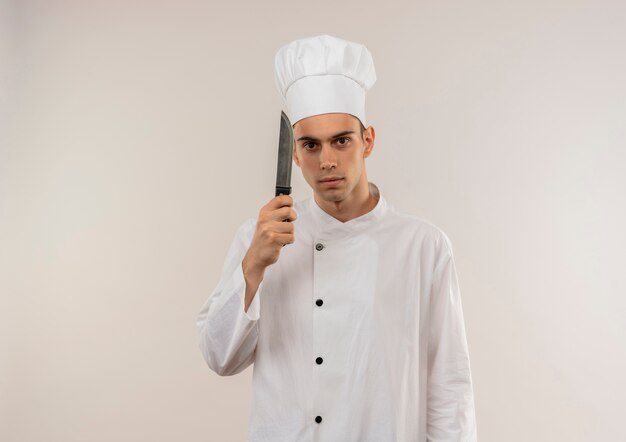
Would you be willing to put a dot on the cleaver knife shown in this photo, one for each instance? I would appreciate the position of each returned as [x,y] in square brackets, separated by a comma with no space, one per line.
[285,153]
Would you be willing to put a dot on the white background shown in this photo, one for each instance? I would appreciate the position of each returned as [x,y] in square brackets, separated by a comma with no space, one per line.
[136,136]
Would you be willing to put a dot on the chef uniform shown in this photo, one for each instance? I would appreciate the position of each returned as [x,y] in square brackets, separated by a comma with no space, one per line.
[356,333]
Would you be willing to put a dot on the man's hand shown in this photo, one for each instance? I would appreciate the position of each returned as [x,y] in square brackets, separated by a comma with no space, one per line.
[271,234]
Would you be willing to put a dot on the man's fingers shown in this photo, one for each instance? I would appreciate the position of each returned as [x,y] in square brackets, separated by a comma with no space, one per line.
[282,227]
[281,214]
[287,213]
[279,201]
[285,238]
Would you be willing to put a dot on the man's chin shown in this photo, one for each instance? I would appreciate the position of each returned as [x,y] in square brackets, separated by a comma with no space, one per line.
[330,195]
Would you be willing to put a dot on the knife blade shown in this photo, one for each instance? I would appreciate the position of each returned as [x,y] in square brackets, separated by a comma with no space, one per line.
[285,156]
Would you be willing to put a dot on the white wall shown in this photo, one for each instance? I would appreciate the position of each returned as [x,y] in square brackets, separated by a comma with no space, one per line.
[136,136]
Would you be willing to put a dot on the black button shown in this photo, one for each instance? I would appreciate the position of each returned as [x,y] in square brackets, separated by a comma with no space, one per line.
[319,360]
[318,419]
[319,246]
[319,302]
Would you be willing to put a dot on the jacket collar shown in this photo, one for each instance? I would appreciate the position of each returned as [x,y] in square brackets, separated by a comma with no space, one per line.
[329,227]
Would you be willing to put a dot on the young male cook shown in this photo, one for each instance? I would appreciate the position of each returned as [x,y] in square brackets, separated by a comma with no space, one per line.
[351,311]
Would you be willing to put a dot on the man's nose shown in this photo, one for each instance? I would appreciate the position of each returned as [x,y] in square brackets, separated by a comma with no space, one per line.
[327,157]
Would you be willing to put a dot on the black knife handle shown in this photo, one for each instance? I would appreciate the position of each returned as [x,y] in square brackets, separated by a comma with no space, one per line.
[280,190]
[283,190]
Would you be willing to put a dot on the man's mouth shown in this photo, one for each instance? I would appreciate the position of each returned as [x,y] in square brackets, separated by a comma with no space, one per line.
[330,181]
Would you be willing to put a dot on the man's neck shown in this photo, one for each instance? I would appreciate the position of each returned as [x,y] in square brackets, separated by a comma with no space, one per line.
[359,203]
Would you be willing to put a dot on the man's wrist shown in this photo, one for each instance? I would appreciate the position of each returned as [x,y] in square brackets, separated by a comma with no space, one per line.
[252,275]
[251,270]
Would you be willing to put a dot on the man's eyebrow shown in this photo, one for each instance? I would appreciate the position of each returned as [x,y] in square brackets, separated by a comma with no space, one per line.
[340,134]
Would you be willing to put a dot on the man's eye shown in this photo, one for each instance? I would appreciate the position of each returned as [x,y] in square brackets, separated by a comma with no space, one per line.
[307,145]
[343,140]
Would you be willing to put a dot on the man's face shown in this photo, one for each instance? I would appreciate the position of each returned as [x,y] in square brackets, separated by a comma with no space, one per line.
[330,145]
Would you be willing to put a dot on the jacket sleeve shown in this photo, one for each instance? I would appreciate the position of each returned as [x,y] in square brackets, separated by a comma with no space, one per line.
[228,334]
[450,397]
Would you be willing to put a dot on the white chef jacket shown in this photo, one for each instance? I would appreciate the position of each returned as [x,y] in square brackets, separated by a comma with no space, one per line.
[356,333]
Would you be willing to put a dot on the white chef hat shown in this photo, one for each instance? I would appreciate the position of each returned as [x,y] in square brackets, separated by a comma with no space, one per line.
[323,74]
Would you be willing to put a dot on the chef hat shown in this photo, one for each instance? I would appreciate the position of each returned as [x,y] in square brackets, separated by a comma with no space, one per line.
[324,74]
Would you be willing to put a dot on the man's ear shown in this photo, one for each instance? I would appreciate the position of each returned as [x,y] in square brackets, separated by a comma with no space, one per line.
[295,153]
[295,156]
[369,135]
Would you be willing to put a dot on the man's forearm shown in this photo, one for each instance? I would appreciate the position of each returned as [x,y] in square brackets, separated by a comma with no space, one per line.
[253,276]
